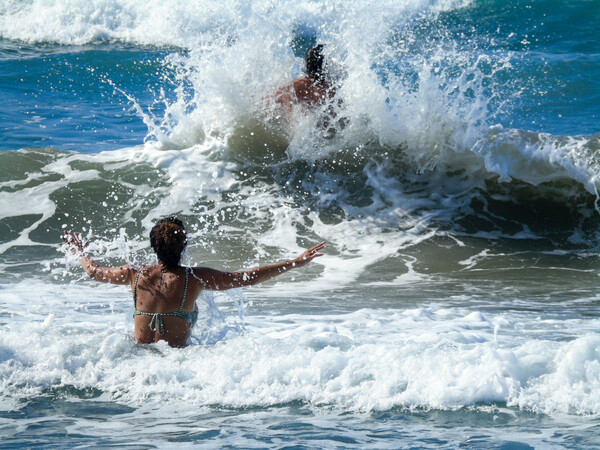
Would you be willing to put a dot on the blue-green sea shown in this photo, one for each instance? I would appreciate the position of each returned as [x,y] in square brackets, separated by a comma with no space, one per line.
[454,177]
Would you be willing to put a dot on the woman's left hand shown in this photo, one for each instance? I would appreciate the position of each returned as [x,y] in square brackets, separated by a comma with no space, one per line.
[308,255]
[75,241]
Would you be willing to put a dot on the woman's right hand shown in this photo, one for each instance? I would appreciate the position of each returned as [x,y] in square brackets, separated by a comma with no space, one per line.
[74,241]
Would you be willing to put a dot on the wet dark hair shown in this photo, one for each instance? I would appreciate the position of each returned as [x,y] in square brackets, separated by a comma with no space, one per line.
[168,240]
[314,62]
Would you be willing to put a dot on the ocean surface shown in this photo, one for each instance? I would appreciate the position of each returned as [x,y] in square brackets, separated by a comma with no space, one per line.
[454,178]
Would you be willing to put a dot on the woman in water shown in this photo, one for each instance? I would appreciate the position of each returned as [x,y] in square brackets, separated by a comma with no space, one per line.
[164,294]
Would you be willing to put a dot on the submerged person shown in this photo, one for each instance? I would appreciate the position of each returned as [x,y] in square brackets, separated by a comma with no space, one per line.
[164,294]
[314,91]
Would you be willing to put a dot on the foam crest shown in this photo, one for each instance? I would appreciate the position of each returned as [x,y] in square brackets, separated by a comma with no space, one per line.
[424,97]
[163,22]
[76,22]
[572,386]
[540,158]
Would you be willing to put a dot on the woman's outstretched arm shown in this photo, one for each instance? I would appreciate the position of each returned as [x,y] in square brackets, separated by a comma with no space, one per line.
[114,275]
[217,280]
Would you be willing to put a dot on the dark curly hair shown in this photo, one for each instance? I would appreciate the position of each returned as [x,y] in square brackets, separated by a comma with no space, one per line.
[168,240]
[314,63]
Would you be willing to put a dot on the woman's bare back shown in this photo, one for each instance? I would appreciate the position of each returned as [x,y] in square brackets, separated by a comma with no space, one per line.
[161,292]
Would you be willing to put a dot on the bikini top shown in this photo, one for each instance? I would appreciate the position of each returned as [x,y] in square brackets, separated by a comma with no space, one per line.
[157,318]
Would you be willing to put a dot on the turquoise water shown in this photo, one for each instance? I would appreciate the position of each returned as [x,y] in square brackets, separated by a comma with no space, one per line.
[457,304]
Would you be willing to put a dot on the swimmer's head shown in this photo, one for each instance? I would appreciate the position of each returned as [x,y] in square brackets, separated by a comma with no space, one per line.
[314,62]
[168,240]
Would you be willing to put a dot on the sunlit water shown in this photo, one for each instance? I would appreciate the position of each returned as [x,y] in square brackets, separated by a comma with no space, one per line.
[457,304]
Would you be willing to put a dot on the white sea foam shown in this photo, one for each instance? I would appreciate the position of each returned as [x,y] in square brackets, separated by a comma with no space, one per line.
[170,22]
[365,360]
